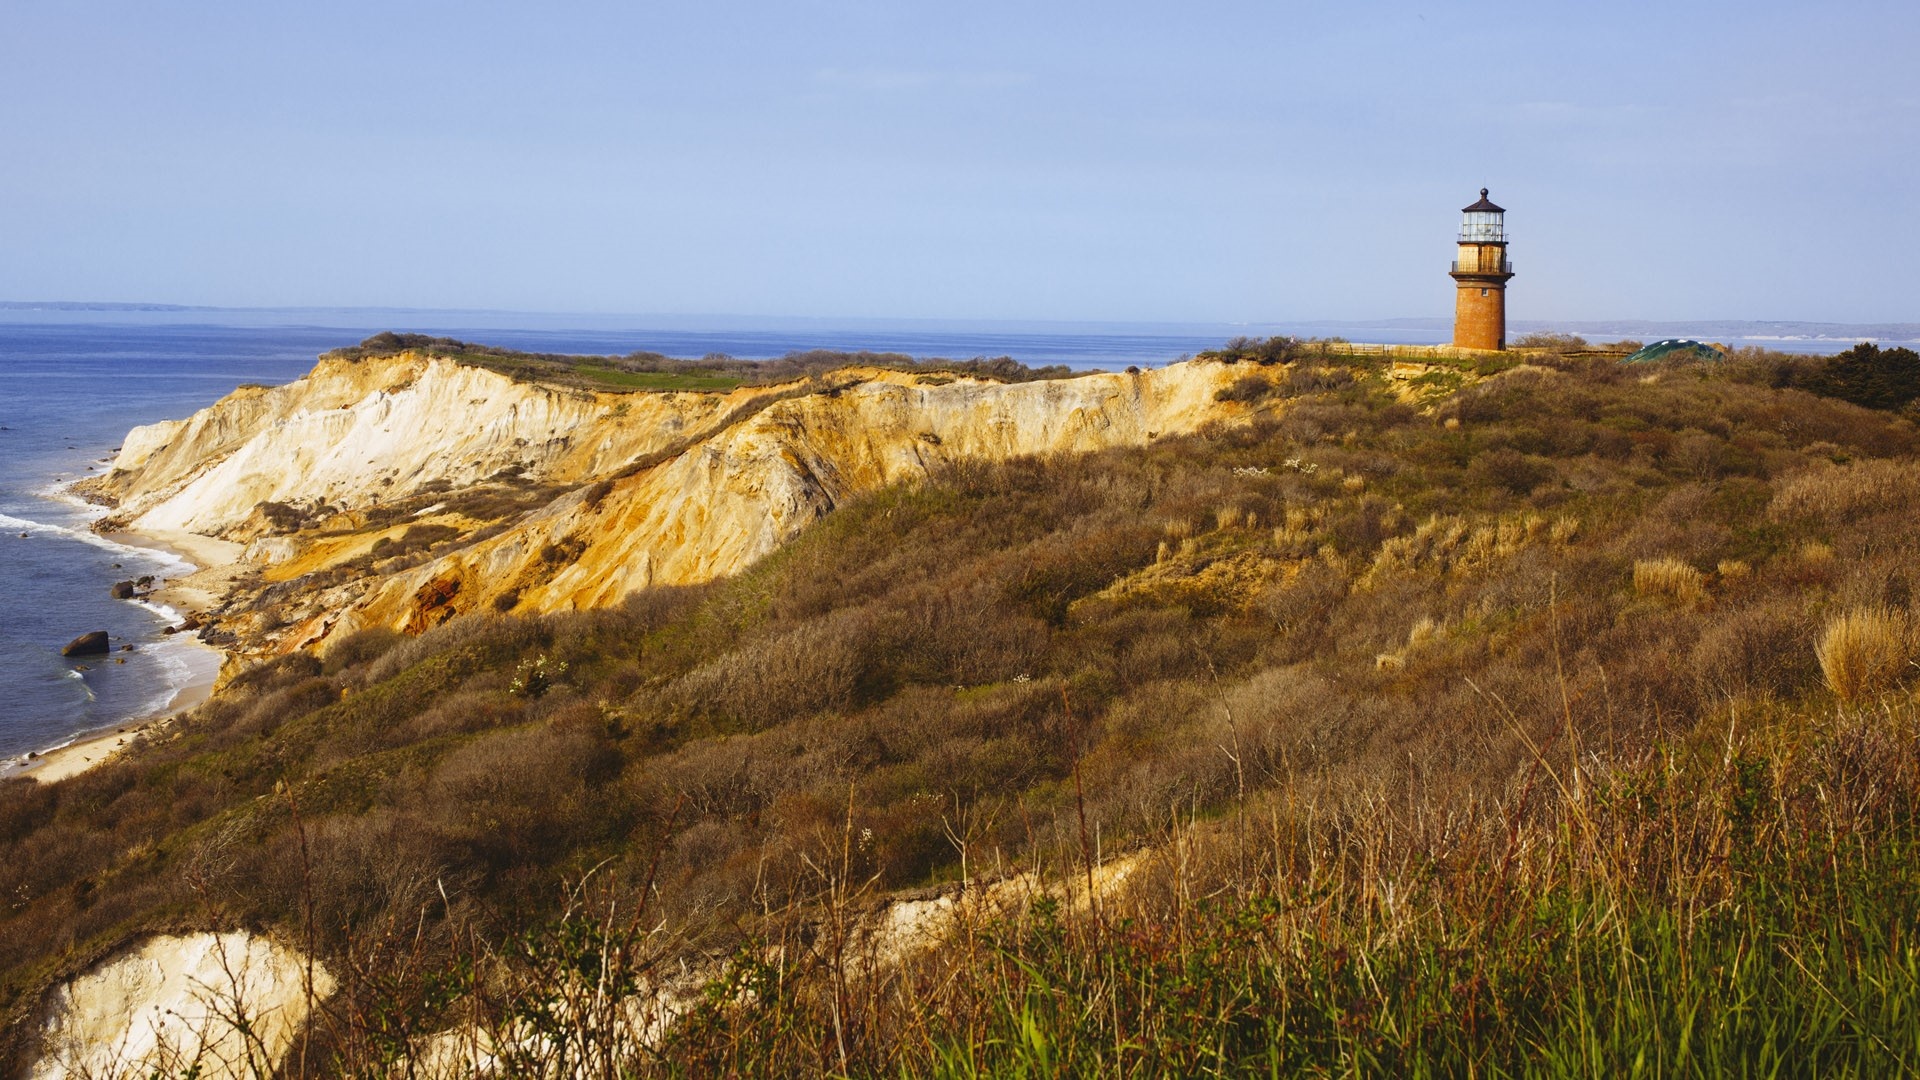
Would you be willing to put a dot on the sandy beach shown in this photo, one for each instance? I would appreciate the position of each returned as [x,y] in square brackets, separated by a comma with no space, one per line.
[193,593]
[204,587]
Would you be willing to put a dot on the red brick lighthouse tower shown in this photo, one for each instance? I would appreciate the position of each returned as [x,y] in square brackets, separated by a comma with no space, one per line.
[1481,272]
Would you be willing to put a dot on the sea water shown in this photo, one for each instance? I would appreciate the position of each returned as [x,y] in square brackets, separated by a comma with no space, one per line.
[73,383]
[67,396]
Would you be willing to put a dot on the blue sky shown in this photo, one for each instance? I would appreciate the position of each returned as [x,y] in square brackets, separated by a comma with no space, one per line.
[1111,161]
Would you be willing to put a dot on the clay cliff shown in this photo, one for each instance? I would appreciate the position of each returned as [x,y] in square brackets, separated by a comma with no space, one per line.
[403,491]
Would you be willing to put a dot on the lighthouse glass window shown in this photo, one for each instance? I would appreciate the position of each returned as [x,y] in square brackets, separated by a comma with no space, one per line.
[1483,225]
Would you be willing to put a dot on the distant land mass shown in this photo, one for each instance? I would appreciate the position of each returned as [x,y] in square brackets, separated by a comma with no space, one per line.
[1436,328]
[92,305]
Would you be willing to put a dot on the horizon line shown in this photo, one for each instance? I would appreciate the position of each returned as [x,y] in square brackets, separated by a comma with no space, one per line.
[1591,325]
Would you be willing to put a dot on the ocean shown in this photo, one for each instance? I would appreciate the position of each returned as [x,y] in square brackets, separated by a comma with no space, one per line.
[73,382]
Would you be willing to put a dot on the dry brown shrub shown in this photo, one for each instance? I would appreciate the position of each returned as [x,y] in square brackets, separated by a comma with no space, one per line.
[1843,492]
[816,665]
[1672,579]
[1757,651]
[521,797]
[1509,470]
[1864,650]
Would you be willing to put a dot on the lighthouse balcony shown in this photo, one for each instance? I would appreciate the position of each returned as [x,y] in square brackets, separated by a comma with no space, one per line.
[1489,266]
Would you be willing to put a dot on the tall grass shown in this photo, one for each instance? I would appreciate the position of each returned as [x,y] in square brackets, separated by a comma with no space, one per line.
[1745,908]
[1737,902]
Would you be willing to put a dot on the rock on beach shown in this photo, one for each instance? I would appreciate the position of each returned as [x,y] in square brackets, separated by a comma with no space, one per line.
[89,644]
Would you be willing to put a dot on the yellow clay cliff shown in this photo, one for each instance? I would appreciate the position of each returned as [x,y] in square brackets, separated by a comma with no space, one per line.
[400,492]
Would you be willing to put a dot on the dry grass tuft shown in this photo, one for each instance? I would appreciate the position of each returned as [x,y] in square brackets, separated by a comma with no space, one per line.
[1672,579]
[1446,542]
[1864,651]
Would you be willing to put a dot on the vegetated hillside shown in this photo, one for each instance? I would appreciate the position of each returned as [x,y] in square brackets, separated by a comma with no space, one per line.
[1560,722]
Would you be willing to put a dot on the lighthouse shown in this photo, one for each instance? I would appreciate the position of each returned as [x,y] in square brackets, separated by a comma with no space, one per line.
[1480,273]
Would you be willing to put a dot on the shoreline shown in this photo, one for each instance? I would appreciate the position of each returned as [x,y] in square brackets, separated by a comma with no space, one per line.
[89,749]
[191,593]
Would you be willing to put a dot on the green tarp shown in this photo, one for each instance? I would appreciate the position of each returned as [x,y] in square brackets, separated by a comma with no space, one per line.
[1675,349]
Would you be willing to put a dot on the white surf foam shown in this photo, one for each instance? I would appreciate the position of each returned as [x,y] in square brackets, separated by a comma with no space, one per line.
[81,678]
[171,565]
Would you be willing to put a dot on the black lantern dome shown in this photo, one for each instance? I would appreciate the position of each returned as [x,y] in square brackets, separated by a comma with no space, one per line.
[1483,222]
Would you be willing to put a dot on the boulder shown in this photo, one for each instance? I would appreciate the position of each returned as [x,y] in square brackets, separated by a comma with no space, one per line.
[93,644]
[122,590]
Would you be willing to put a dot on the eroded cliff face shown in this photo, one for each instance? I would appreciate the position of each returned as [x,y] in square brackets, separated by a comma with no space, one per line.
[210,1005]
[356,432]
[403,492]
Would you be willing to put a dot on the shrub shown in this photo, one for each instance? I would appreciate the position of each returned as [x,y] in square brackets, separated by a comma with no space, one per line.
[1246,389]
[361,648]
[1871,376]
[1863,651]
[1510,470]
[1840,493]
[1550,341]
[814,666]
[1759,650]
[1273,350]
